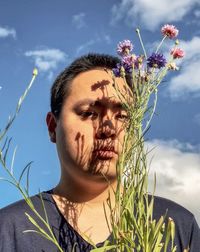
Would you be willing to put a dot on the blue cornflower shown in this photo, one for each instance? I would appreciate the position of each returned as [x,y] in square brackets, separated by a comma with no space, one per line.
[126,64]
[156,60]
[116,70]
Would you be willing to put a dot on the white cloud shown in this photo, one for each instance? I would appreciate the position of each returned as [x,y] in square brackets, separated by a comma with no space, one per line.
[47,59]
[104,38]
[151,13]
[177,167]
[79,20]
[187,80]
[6,32]
[85,46]
[197,13]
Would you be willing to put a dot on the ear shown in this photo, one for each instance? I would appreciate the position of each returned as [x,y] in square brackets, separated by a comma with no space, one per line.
[51,125]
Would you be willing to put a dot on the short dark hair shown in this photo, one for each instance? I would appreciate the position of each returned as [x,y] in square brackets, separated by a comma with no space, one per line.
[61,86]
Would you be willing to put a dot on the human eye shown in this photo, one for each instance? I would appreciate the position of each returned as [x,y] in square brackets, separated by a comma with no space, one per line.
[88,114]
[122,116]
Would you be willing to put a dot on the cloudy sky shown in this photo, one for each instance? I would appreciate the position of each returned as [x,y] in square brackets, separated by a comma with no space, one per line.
[50,34]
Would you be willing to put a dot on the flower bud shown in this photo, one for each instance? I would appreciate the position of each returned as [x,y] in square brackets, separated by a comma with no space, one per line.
[122,71]
[137,30]
[35,72]
[176,42]
[172,66]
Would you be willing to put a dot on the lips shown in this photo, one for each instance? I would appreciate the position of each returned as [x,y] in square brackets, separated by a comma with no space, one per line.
[105,153]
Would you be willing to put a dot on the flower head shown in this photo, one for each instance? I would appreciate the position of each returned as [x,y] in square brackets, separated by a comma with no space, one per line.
[116,70]
[172,66]
[128,62]
[170,31]
[124,47]
[156,60]
[177,53]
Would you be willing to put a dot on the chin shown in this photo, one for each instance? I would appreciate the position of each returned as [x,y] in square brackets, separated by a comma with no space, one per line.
[105,169]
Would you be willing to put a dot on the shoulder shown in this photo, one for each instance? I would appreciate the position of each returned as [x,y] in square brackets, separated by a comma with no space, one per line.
[17,206]
[164,206]
[187,230]
[15,212]
[14,223]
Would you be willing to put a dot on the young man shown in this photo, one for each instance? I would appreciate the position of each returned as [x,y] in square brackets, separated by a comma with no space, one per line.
[86,123]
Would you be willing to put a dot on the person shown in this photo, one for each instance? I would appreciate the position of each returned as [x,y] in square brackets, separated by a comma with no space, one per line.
[86,123]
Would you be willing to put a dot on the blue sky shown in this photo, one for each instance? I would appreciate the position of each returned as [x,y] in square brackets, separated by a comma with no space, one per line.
[50,34]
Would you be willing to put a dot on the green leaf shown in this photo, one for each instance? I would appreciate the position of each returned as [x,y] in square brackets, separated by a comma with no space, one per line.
[26,168]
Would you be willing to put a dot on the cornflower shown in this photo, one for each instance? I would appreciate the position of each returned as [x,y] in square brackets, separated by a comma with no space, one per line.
[170,31]
[156,60]
[117,70]
[128,62]
[177,53]
[124,47]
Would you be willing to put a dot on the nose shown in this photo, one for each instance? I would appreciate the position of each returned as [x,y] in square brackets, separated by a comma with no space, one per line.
[106,128]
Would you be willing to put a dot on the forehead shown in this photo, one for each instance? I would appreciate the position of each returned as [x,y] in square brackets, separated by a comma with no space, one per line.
[96,84]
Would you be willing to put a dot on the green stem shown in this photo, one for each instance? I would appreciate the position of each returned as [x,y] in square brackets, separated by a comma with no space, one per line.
[141,42]
[11,120]
[160,43]
[153,111]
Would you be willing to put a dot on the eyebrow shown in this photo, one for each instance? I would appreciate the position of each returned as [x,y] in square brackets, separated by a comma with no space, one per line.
[105,102]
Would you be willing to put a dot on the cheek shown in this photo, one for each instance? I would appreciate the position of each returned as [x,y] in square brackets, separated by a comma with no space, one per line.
[80,143]
[79,136]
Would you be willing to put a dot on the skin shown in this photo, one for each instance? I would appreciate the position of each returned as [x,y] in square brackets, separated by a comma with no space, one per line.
[89,135]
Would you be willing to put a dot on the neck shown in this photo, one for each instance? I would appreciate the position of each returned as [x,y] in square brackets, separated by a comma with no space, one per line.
[86,190]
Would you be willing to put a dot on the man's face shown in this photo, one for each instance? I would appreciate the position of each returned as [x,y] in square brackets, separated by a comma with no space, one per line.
[91,126]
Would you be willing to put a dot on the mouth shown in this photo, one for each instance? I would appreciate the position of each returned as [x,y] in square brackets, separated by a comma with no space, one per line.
[105,153]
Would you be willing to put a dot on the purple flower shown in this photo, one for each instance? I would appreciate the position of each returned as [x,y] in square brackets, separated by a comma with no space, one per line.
[124,47]
[156,60]
[128,62]
[116,70]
